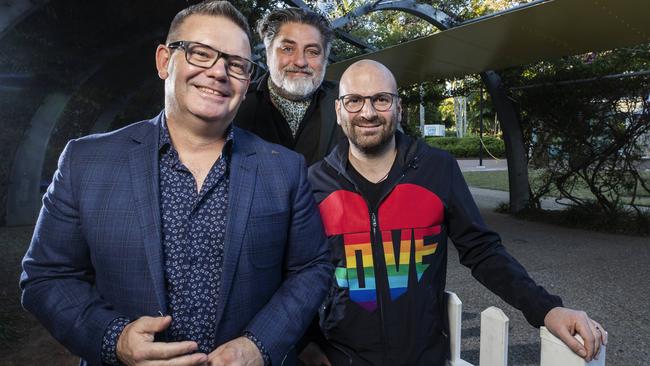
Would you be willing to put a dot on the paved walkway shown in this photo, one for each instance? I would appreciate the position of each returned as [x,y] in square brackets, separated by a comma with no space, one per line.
[491,199]
[474,165]
[605,275]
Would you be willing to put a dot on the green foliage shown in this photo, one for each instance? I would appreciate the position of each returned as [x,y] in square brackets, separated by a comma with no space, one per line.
[468,147]
[589,217]
[388,28]
[584,130]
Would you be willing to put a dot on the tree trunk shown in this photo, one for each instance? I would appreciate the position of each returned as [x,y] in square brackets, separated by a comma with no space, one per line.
[514,141]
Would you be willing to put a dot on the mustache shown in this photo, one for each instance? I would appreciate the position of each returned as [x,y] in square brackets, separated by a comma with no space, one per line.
[362,121]
[306,69]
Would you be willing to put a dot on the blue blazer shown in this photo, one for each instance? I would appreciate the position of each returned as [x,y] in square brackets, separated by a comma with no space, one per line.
[96,253]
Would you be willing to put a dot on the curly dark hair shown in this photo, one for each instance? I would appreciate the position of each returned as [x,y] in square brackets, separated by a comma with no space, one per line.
[269,26]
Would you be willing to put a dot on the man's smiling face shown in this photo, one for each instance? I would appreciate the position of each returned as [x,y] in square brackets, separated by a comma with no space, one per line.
[207,94]
[296,59]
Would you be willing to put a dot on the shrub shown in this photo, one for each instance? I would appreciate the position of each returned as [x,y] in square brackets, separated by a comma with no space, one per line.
[468,147]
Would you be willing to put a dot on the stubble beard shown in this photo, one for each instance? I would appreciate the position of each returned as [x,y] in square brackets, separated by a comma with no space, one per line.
[369,145]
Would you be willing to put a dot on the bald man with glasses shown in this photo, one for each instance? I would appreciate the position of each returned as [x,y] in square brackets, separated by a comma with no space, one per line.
[389,203]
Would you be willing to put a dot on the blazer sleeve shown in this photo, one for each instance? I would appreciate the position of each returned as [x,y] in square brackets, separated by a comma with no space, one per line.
[308,273]
[481,250]
[58,276]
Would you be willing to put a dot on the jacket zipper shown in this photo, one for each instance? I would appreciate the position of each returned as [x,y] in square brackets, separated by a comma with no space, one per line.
[376,249]
[380,246]
[374,226]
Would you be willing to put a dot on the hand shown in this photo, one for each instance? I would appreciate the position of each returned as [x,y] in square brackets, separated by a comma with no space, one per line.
[565,323]
[238,352]
[135,345]
[313,355]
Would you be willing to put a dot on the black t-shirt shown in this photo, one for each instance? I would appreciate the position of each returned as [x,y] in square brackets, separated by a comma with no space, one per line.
[371,191]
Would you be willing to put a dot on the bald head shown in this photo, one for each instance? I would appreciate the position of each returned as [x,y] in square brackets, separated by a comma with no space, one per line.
[370,108]
[365,77]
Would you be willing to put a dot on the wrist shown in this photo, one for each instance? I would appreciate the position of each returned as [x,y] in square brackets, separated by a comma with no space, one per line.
[266,359]
[110,340]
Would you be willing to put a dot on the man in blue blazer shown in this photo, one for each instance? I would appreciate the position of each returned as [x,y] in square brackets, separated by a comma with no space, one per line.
[181,240]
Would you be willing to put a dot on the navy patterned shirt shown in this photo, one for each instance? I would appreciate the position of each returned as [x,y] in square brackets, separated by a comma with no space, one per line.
[193,232]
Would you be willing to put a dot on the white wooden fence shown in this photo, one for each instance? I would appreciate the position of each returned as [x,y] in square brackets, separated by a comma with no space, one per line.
[494,340]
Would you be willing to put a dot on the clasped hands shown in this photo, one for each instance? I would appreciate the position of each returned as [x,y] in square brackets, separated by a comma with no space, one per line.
[136,346]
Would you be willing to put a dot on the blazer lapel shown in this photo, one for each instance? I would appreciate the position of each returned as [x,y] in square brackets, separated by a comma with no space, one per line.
[143,162]
[243,172]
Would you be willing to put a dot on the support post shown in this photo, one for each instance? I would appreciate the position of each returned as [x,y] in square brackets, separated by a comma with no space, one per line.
[421,110]
[494,337]
[480,133]
[555,352]
[455,314]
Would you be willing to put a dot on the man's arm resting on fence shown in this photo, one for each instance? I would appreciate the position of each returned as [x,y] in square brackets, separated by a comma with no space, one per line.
[564,323]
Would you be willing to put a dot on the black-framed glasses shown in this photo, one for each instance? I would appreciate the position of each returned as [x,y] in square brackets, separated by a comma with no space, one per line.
[354,103]
[204,56]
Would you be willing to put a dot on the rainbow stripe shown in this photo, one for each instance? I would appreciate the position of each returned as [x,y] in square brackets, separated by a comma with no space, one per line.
[359,275]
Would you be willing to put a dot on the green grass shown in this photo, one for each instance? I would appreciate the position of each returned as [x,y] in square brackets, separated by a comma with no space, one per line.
[499,181]
[489,180]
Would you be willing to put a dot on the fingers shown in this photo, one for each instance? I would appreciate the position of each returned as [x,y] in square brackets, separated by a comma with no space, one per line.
[565,323]
[195,359]
[591,337]
[239,351]
[136,346]
[148,324]
[571,342]
[600,337]
[603,333]
[167,354]
[163,351]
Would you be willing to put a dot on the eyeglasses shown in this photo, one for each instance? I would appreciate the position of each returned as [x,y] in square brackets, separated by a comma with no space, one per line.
[204,56]
[354,103]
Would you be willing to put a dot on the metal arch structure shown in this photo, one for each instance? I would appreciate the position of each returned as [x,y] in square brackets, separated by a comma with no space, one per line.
[505,109]
[428,13]
[14,11]
[433,16]
[23,191]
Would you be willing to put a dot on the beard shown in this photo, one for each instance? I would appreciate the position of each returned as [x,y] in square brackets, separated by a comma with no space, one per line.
[296,88]
[371,144]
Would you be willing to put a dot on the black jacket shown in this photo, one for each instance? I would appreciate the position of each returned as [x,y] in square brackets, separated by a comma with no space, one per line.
[318,132]
[387,304]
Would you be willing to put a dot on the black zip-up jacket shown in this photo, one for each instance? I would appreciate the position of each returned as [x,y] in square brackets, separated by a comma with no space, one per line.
[387,304]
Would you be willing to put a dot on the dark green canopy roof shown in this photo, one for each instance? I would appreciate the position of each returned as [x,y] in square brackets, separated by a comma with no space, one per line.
[541,31]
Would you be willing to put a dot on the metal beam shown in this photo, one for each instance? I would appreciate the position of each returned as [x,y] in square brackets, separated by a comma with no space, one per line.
[347,37]
[14,11]
[428,13]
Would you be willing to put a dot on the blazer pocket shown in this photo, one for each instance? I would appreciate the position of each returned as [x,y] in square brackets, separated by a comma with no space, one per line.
[267,238]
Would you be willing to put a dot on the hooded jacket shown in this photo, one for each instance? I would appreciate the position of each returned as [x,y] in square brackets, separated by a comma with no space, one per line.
[387,304]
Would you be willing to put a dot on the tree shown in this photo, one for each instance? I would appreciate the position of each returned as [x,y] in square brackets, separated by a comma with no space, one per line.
[584,122]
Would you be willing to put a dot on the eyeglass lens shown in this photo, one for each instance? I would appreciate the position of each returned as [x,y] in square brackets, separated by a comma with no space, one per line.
[381,102]
[205,56]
